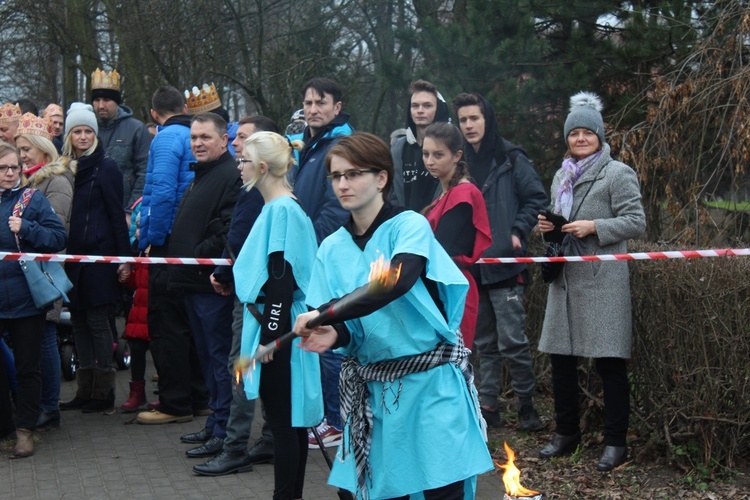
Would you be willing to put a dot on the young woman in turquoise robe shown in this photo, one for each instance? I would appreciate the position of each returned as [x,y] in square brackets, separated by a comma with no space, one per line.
[412,423]
[271,276]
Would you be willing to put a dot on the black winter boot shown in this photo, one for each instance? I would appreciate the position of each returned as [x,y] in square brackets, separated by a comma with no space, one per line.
[103,393]
[85,382]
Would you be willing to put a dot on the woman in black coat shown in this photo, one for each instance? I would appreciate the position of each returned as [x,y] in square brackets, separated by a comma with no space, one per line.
[97,227]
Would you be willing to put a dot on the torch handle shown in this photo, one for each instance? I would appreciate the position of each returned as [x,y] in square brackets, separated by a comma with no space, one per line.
[287,338]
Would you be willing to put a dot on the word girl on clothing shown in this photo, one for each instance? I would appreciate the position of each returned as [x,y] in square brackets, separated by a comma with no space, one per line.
[271,276]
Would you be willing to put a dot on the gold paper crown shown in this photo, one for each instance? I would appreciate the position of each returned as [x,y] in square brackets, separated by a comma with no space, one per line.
[202,100]
[104,80]
[10,113]
[33,125]
[52,110]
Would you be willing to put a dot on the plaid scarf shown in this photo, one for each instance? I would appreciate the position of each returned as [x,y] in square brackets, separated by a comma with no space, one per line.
[355,405]
[571,172]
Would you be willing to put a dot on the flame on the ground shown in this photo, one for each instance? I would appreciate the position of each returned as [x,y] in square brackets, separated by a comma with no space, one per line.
[512,476]
[382,275]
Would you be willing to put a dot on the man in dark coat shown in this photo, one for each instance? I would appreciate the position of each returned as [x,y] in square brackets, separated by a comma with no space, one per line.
[514,195]
[200,230]
[235,456]
[125,138]
[413,186]
[182,390]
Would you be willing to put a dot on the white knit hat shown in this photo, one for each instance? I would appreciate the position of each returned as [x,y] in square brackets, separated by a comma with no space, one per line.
[80,114]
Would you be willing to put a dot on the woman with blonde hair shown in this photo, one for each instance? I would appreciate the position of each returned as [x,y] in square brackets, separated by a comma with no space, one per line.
[271,276]
[55,179]
[97,227]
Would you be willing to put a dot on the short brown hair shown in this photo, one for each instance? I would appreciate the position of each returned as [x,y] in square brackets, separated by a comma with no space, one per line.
[364,150]
[423,86]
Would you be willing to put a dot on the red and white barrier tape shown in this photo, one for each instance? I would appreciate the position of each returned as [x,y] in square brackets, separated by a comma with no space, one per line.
[113,260]
[675,254]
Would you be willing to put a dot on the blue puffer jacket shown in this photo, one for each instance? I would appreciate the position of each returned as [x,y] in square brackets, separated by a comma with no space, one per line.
[311,187]
[41,232]
[167,177]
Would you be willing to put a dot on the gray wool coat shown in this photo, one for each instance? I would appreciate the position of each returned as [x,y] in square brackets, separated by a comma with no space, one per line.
[588,304]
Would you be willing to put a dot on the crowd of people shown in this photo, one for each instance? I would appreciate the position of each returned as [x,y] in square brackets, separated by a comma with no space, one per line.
[384,373]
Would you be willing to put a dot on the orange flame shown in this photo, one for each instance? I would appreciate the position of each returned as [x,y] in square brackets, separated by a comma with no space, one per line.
[382,275]
[512,476]
[242,366]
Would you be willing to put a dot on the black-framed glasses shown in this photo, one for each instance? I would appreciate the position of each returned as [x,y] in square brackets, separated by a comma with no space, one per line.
[13,168]
[241,160]
[352,174]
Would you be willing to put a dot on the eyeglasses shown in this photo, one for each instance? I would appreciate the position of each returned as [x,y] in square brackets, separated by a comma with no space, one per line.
[241,160]
[13,168]
[351,174]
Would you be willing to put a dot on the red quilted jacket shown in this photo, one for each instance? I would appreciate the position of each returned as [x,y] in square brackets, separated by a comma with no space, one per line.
[137,324]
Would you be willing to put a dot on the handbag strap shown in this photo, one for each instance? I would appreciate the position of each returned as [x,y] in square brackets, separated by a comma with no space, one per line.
[20,207]
[573,215]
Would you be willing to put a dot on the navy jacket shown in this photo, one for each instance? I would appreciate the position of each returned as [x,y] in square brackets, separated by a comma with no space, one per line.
[41,232]
[97,227]
[246,211]
[311,187]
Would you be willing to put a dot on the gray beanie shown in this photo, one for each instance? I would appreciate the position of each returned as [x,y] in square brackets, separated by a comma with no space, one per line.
[80,114]
[585,112]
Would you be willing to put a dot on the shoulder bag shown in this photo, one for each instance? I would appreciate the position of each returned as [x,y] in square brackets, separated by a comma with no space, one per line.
[47,281]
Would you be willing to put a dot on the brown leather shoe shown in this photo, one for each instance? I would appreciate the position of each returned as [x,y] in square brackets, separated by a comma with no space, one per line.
[24,443]
[155,417]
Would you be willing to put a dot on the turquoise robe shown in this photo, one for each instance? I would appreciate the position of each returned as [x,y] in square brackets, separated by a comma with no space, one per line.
[426,427]
[282,226]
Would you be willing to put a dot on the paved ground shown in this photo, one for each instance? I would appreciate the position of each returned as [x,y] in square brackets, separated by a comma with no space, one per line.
[96,456]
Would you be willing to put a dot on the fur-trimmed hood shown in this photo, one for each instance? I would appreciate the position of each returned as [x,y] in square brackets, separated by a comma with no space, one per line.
[58,167]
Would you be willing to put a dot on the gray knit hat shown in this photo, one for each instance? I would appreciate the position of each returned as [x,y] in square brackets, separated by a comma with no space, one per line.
[80,114]
[585,112]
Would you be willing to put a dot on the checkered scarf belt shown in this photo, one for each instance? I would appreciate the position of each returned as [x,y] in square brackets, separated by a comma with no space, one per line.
[355,405]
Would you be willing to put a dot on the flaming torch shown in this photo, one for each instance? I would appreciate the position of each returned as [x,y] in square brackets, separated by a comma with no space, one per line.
[382,279]
[512,479]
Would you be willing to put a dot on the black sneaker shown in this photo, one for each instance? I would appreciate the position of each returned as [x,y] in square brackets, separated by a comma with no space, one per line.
[492,417]
[529,418]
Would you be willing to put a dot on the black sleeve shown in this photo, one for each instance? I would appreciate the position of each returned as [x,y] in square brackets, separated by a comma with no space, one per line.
[456,232]
[412,267]
[279,290]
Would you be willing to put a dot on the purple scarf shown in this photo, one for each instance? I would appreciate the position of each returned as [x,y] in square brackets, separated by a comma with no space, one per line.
[571,172]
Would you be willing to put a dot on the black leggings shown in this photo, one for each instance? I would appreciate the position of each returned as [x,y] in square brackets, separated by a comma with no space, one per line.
[613,372]
[138,349]
[453,491]
[289,443]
